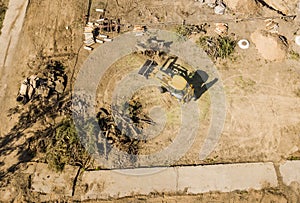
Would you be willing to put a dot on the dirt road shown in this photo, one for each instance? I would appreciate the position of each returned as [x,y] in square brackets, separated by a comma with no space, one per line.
[11,30]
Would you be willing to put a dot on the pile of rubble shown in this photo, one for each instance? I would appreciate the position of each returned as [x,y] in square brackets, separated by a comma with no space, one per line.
[123,130]
[118,134]
[95,32]
[44,85]
[153,46]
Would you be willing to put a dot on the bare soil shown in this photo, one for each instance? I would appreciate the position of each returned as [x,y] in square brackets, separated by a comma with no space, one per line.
[262,97]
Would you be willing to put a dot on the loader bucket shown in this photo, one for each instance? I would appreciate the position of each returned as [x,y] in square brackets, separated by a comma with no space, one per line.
[147,68]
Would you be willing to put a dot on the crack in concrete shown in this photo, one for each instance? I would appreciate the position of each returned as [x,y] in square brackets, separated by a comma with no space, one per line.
[75,182]
[177,177]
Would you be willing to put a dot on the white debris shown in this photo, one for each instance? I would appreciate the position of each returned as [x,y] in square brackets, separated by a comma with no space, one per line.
[272,26]
[99,10]
[221,28]
[210,3]
[107,40]
[297,40]
[99,41]
[220,9]
[88,29]
[100,20]
[88,48]
[23,88]
[102,36]
[89,42]
[139,34]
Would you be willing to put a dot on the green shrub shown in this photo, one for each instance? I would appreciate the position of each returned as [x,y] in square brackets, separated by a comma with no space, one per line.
[65,147]
[183,30]
[294,55]
[217,47]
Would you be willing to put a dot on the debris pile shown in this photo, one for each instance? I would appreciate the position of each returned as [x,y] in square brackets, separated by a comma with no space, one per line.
[51,82]
[123,130]
[272,26]
[221,29]
[139,30]
[153,46]
[97,30]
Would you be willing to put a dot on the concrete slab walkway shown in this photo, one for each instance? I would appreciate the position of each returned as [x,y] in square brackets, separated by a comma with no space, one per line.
[189,179]
[104,184]
[290,172]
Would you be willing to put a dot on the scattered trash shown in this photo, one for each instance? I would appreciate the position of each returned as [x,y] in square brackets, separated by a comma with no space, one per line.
[89,42]
[210,3]
[99,10]
[272,26]
[139,34]
[99,41]
[220,9]
[297,40]
[107,39]
[95,30]
[244,44]
[139,28]
[153,46]
[102,36]
[221,29]
[88,48]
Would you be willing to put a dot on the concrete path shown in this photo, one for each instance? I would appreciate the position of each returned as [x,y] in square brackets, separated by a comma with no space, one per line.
[49,182]
[290,172]
[190,180]
[10,32]
[103,184]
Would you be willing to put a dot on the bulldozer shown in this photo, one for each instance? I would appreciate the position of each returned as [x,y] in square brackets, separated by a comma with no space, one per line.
[173,77]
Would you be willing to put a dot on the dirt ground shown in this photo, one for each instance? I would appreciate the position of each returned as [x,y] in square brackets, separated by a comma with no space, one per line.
[262,97]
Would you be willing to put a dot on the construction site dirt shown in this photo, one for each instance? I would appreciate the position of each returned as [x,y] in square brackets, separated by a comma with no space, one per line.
[258,69]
